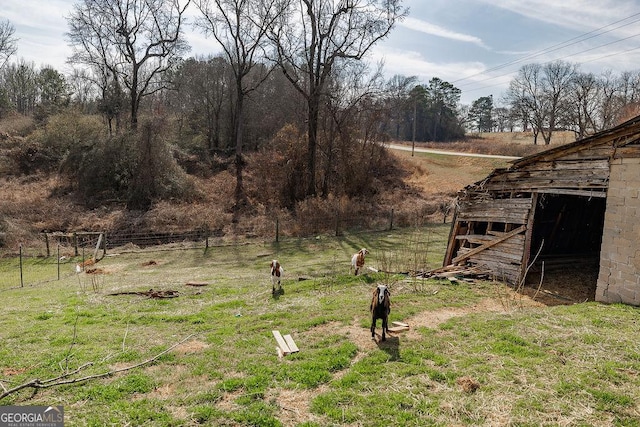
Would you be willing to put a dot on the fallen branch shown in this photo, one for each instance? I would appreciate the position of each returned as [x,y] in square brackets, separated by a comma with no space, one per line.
[150,293]
[64,379]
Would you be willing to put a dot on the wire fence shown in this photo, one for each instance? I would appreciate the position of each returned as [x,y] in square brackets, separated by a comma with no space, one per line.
[56,255]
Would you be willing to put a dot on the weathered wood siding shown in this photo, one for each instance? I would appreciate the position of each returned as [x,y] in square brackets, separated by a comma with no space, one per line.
[508,211]
[507,197]
[504,258]
[567,175]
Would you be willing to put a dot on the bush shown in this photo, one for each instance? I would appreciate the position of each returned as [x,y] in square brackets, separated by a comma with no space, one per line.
[47,147]
[156,175]
[278,172]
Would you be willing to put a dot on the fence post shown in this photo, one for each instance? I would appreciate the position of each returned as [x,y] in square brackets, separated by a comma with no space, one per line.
[277,230]
[21,279]
[206,238]
[337,223]
[75,243]
[58,261]
[391,222]
[46,241]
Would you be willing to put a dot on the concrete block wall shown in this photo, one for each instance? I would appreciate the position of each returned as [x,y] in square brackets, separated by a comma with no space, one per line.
[619,277]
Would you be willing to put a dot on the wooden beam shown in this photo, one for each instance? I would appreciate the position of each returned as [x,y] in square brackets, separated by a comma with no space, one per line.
[489,244]
[292,345]
[281,342]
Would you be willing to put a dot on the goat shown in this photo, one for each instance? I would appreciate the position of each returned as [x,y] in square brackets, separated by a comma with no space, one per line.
[357,260]
[80,267]
[380,308]
[276,275]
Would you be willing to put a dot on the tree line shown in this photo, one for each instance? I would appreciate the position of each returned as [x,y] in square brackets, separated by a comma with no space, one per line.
[544,98]
[291,76]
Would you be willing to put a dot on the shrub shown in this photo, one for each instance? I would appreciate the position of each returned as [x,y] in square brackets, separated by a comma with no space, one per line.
[156,175]
[47,147]
[278,170]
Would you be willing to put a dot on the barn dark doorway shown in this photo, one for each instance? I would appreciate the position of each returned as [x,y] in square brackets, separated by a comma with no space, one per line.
[567,233]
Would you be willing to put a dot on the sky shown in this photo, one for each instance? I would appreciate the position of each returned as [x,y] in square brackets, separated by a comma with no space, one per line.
[476,45]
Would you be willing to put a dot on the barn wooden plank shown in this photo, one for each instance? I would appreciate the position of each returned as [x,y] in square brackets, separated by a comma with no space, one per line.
[506,246]
[601,192]
[537,185]
[506,257]
[559,164]
[398,328]
[488,245]
[632,151]
[506,218]
[281,342]
[292,345]
[558,174]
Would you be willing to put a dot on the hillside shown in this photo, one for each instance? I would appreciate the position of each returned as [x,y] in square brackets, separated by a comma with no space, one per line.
[421,191]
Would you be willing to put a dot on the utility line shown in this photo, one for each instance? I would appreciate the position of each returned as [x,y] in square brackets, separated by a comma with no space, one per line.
[564,57]
[558,46]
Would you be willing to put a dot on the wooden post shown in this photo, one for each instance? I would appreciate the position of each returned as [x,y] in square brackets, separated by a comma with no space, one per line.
[337,223]
[46,241]
[75,243]
[21,279]
[95,252]
[391,221]
[277,230]
[58,261]
[206,238]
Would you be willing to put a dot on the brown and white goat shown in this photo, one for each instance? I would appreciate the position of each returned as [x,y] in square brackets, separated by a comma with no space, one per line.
[276,275]
[357,260]
[380,308]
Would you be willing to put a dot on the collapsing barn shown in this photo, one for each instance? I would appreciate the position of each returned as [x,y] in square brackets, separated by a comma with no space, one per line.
[572,205]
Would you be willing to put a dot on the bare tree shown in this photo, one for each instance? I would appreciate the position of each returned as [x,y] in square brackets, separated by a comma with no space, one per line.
[584,97]
[541,91]
[8,43]
[202,92]
[240,27]
[314,36]
[610,100]
[399,101]
[134,42]
[82,88]
[20,80]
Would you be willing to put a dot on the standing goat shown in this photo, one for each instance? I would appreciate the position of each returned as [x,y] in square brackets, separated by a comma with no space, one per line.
[276,275]
[357,260]
[380,308]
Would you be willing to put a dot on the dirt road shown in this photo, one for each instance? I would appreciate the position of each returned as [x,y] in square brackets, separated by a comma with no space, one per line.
[449,153]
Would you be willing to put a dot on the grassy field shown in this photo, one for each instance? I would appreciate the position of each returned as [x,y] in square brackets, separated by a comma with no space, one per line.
[475,354]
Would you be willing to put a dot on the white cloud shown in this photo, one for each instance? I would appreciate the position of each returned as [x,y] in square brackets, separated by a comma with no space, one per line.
[435,30]
[410,63]
[582,15]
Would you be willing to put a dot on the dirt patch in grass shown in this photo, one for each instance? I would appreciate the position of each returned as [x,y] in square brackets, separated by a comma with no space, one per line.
[194,346]
[504,304]
[295,404]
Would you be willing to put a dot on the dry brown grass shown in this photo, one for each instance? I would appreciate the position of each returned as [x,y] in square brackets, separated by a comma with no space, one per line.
[426,185]
[503,143]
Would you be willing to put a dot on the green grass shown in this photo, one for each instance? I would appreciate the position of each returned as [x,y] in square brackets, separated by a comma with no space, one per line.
[563,365]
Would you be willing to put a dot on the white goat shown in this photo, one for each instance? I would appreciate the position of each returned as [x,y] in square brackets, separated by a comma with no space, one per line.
[276,275]
[357,260]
